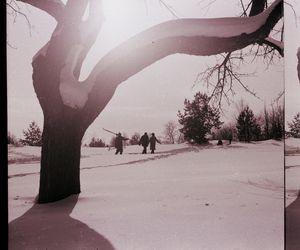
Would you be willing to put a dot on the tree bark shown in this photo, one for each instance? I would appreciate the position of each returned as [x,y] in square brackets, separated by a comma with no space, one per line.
[62,131]
[60,160]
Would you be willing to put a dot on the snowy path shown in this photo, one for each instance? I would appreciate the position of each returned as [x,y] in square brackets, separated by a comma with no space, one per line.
[181,198]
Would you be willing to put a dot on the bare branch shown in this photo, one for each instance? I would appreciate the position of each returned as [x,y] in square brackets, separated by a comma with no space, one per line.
[169,8]
[165,39]
[223,76]
[16,10]
[258,6]
[91,29]
[275,45]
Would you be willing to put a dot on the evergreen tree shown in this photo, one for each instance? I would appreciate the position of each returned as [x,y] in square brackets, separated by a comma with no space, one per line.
[267,125]
[247,126]
[295,126]
[135,138]
[33,135]
[198,118]
[226,132]
[96,142]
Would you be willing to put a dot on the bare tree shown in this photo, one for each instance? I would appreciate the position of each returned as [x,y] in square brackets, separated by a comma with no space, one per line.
[170,131]
[226,72]
[70,105]
[135,138]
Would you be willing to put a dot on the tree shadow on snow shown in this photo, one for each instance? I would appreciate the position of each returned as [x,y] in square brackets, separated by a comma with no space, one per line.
[292,225]
[49,226]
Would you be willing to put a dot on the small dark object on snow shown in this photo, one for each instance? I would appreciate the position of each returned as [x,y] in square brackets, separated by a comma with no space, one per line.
[206,204]
[220,142]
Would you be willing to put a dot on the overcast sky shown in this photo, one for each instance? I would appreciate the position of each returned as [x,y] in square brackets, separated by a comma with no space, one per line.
[148,100]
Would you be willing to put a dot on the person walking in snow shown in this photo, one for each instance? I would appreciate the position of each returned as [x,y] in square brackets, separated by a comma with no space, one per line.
[144,141]
[119,143]
[153,141]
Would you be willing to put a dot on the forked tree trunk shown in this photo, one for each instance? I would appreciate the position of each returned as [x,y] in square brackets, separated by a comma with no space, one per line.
[60,161]
[56,70]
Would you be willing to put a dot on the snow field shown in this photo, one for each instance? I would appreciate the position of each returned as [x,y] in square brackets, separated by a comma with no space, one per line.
[183,197]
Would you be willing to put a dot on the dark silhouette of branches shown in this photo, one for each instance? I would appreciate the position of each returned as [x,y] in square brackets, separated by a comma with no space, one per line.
[169,8]
[14,10]
[226,72]
[222,76]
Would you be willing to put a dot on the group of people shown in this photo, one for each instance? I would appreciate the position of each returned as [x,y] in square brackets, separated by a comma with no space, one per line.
[144,141]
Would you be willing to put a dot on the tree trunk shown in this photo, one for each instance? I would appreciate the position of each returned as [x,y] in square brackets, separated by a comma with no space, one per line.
[60,160]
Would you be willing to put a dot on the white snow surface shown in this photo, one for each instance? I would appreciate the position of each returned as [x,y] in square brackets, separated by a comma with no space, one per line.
[292,169]
[182,197]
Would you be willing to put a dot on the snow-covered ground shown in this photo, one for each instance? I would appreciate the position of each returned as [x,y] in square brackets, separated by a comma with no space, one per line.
[292,169]
[182,197]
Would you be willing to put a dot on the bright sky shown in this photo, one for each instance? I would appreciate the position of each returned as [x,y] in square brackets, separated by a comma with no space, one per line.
[146,101]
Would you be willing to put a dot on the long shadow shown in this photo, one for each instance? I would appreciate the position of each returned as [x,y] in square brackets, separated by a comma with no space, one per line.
[292,225]
[49,226]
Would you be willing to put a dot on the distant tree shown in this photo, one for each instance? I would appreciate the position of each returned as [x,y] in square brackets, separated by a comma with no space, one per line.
[247,126]
[135,138]
[180,137]
[33,135]
[256,132]
[294,126]
[267,124]
[273,123]
[277,129]
[170,132]
[97,142]
[226,132]
[198,119]
[13,140]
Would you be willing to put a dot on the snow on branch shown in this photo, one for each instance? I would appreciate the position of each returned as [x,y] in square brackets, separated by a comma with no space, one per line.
[216,29]
[186,36]
[75,94]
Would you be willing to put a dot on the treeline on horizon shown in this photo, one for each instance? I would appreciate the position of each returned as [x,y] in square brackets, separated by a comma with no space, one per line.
[247,127]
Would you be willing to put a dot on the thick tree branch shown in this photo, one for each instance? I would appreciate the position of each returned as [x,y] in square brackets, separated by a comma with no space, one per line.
[257,7]
[186,36]
[54,8]
[74,11]
[275,45]
[90,31]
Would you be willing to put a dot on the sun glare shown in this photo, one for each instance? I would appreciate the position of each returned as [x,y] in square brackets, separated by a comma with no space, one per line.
[122,15]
